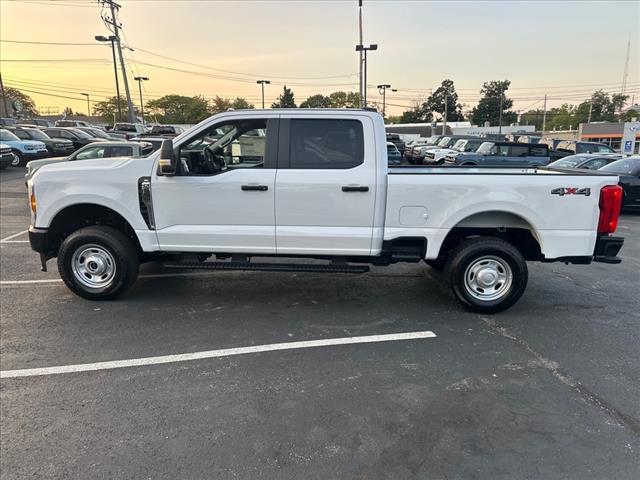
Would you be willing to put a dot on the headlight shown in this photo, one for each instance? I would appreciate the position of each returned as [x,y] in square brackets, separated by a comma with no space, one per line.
[29,147]
[60,145]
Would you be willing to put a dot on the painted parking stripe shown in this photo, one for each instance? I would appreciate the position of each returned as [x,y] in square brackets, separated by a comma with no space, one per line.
[14,241]
[227,352]
[10,237]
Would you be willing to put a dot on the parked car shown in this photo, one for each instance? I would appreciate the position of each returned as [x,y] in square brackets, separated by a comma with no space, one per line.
[393,154]
[72,123]
[590,161]
[397,141]
[129,130]
[55,147]
[628,171]
[6,156]
[564,148]
[7,122]
[78,137]
[101,134]
[436,156]
[419,143]
[23,150]
[336,200]
[447,142]
[93,151]
[503,154]
[36,122]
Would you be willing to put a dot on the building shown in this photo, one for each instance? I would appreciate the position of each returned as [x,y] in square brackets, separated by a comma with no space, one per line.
[612,134]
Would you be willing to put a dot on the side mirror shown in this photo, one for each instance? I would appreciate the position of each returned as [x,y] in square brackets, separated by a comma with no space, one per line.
[168,163]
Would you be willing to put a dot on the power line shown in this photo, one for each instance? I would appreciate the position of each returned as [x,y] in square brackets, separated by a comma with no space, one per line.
[51,43]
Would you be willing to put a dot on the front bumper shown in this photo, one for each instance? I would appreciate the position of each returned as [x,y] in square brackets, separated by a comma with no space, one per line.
[607,249]
[35,154]
[6,160]
[39,240]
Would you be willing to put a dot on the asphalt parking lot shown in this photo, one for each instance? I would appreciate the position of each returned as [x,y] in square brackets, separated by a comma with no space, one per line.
[548,389]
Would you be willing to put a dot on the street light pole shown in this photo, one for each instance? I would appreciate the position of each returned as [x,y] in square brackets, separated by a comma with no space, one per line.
[500,116]
[262,82]
[140,80]
[361,58]
[112,39]
[365,49]
[88,107]
[382,89]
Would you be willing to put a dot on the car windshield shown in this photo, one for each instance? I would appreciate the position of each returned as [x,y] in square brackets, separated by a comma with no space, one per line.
[38,134]
[444,142]
[485,148]
[472,145]
[95,132]
[125,127]
[80,133]
[391,148]
[568,162]
[7,136]
[459,145]
[432,140]
[627,166]
[163,129]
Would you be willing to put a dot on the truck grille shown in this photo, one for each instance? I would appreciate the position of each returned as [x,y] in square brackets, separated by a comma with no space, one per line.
[5,151]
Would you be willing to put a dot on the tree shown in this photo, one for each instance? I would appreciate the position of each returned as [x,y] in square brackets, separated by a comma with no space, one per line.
[13,94]
[179,109]
[108,109]
[241,104]
[416,115]
[436,102]
[488,108]
[603,107]
[67,111]
[316,101]
[345,99]
[220,104]
[285,99]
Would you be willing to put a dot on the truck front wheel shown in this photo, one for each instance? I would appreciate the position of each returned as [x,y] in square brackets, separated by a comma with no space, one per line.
[488,275]
[98,262]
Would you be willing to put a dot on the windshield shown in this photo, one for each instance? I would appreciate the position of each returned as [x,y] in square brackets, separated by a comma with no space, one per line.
[459,145]
[444,142]
[567,162]
[432,140]
[485,148]
[95,132]
[80,133]
[7,136]
[472,145]
[125,127]
[38,134]
[629,166]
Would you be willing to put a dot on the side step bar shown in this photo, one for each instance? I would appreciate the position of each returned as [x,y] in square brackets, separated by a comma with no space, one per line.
[270,267]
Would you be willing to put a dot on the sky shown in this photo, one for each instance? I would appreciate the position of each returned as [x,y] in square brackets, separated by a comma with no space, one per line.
[560,48]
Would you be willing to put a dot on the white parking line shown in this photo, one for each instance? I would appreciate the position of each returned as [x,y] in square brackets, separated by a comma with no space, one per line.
[14,241]
[6,240]
[227,352]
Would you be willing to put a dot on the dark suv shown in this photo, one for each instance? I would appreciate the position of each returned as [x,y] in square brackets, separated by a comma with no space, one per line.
[506,154]
[78,137]
[55,146]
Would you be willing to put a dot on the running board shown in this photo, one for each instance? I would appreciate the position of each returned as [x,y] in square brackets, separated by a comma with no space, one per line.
[270,267]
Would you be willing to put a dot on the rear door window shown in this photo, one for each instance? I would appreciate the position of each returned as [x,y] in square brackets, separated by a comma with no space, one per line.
[518,151]
[326,144]
[121,151]
[539,151]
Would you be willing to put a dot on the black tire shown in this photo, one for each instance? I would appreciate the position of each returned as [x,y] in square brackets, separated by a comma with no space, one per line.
[436,264]
[20,159]
[503,264]
[121,260]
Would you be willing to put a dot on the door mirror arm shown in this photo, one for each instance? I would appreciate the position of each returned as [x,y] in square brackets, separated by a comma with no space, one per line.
[168,164]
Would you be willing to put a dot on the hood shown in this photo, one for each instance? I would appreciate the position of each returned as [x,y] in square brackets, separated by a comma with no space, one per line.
[35,143]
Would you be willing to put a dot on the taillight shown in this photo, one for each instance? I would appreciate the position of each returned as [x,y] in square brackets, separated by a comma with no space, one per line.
[610,202]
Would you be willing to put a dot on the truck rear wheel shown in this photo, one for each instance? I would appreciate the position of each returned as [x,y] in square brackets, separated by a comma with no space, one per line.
[98,262]
[488,275]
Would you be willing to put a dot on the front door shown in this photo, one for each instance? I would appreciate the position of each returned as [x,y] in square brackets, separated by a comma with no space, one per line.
[325,186]
[222,198]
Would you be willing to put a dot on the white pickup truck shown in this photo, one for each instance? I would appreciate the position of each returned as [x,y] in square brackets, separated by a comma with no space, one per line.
[318,187]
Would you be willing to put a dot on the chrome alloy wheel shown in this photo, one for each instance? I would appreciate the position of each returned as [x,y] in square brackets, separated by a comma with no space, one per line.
[93,266]
[488,278]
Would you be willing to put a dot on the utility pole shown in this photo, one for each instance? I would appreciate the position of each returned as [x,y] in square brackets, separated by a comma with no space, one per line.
[365,48]
[140,80]
[590,110]
[112,39]
[544,114]
[446,113]
[263,82]
[382,89]
[113,21]
[361,56]
[88,107]
[500,116]
[4,98]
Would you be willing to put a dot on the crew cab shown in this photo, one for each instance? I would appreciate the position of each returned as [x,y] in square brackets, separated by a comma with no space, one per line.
[509,154]
[318,188]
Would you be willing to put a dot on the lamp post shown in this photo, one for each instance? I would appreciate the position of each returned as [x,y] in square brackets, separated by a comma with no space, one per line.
[140,80]
[383,91]
[112,39]
[364,49]
[88,107]
[263,82]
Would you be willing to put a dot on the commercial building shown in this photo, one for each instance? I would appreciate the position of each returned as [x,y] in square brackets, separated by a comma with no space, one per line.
[617,135]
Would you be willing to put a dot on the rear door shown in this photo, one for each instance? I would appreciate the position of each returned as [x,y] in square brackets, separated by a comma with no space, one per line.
[325,185]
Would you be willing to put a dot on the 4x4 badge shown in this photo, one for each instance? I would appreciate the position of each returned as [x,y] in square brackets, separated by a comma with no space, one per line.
[562,191]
